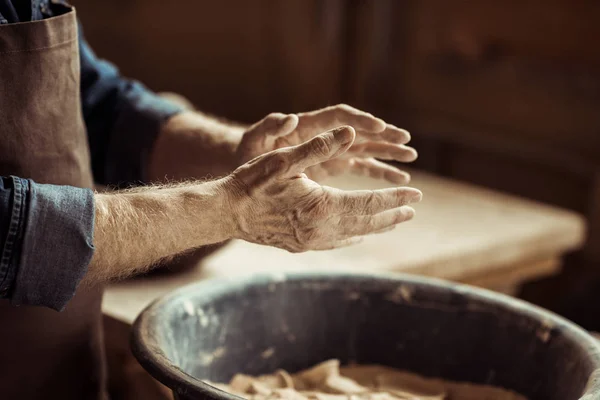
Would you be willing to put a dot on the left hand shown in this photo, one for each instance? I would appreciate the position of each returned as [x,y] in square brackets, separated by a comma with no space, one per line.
[374,139]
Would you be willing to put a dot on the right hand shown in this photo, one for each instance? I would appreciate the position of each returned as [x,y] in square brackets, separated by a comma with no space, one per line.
[274,203]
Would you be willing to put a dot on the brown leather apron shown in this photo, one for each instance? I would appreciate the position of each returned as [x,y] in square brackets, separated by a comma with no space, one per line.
[45,354]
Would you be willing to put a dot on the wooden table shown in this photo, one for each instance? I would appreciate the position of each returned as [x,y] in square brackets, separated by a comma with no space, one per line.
[460,232]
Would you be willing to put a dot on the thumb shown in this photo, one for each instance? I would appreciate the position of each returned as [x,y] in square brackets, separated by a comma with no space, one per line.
[274,125]
[321,148]
[285,126]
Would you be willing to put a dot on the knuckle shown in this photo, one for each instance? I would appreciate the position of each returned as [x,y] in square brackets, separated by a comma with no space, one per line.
[314,207]
[403,198]
[372,200]
[277,162]
[320,146]
[308,238]
[400,217]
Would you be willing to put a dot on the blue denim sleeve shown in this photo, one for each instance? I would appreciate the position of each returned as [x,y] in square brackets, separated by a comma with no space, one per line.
[122,118]
[47,233]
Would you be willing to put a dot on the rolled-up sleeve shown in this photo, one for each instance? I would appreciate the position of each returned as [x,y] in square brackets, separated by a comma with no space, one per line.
[47,241]
[123,119]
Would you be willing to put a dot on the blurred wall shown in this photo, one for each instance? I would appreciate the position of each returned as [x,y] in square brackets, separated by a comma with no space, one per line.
[239,59]
[500,93]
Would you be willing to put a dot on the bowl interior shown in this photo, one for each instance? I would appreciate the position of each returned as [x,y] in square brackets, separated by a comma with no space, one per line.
[257,325]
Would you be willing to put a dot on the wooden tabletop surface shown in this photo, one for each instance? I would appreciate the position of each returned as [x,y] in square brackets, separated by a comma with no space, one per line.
[459,231]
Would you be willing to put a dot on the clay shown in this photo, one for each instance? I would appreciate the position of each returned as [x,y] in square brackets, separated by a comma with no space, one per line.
[329,381]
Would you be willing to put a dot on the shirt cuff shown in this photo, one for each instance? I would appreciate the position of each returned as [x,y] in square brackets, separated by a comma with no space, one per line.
[13,209]
[141,117]
[57,245]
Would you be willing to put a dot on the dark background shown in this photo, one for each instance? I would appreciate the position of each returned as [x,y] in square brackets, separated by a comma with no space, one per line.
[505,94]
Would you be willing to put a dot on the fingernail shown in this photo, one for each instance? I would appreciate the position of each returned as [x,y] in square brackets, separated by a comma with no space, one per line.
[344,134]
[411,153]
[398,177]
[408,212]
[417,196]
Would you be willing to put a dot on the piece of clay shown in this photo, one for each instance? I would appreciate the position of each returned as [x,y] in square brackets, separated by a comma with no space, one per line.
[285,378]
[329,381]
[314,376]
[340,384]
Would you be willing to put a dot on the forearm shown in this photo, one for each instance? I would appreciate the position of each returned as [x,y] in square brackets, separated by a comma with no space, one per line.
[122,117]
[136,229]
[194,145]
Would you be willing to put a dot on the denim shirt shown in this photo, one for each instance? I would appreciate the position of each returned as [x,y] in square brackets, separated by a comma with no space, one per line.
[45,228]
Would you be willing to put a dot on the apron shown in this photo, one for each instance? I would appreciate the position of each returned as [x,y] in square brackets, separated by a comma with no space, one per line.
[45,354]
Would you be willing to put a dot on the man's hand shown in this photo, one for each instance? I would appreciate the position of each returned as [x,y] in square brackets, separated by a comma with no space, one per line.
[275,203]
[374,139]
[268,200]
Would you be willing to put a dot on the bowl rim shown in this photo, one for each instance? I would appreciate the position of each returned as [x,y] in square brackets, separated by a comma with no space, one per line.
[149,354]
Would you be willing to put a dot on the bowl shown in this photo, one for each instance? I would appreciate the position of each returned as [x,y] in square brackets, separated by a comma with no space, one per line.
[257,324]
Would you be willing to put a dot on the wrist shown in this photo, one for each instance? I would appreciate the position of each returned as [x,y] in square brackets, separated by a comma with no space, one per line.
[234,195]
[192,145]
[223,204]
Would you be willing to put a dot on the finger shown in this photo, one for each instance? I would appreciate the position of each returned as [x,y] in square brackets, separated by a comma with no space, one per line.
[361,225]
[286,125]
[361,167]
[341,114]
[377,170]
[339,244]
[273,125]
[396,135]
[370,202]
[385,230]
[320,149]
[384,150]
[390,134]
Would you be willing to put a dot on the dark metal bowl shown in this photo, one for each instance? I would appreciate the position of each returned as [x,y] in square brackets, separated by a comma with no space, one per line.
[215,329]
